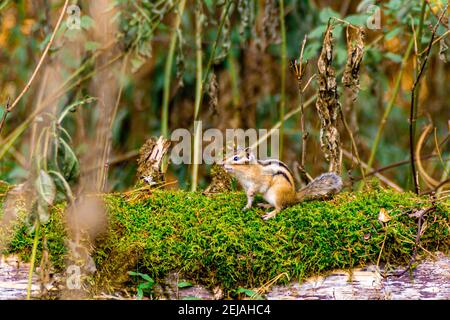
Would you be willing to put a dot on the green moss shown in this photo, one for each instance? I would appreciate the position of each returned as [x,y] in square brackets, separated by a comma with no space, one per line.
[209,239]
[55,233]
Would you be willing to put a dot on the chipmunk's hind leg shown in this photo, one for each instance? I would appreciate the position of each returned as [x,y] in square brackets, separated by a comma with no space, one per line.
[271,197]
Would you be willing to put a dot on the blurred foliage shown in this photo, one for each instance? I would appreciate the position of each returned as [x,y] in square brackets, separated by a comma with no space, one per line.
[247,68]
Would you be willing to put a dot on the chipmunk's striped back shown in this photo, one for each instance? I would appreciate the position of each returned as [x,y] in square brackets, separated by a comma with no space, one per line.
[277,167]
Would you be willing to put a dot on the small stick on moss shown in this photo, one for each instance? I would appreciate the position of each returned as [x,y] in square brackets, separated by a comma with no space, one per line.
[381,250]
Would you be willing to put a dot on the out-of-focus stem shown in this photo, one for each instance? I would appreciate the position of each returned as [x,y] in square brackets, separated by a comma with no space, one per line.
[33,259]
[198,92]
[167,71]
[283,76]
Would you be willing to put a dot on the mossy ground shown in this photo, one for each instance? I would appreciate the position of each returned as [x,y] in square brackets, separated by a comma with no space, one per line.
[210,241]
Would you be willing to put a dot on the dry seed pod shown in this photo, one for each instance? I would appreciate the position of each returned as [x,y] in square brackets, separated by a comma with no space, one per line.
[327,104]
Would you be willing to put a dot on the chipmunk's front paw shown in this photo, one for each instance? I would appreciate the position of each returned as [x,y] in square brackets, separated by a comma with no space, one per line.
[269,215]
[264,205]
[246,208]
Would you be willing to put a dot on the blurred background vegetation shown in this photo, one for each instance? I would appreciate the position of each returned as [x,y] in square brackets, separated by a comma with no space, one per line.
[152,60]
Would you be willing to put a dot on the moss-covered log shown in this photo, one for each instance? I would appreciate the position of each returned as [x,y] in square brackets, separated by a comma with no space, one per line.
[209,240]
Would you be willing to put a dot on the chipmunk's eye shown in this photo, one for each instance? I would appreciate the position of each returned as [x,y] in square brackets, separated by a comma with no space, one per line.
[236,158]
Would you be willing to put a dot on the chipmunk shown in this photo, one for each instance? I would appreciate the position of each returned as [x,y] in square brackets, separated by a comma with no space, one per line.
[273,179]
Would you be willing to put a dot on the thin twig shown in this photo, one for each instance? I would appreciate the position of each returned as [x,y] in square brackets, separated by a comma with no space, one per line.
[417,243]
[434,14]
[443,183]
[299,70]
[354,146]
[393,165]
[436,41]
[378,175]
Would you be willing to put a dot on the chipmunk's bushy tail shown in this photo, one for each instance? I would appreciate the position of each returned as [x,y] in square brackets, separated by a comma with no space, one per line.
[323,186]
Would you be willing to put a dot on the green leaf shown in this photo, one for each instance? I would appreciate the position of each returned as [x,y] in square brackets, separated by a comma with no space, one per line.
[91,45]
[46,187]
[136,64]
[145,49]
[65,184]
[341,55]
[392,33]
[184,284]
[72,106]
[44,43]
[147,285]
[311,50]
[247,292]
[394,57]
[71,166]
[317,32]
[140,294]
[326,14]
[43,212]
[86,22]
[357,19]
[142,275]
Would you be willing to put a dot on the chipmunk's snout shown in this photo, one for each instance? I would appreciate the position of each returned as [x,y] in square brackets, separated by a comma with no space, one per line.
[228,168]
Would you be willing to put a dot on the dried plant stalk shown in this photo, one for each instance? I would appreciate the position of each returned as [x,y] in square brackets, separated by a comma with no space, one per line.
[350,80]
[355,52]
[213,93]
[328,105]
[221,180]
[270,33]
[150,160]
